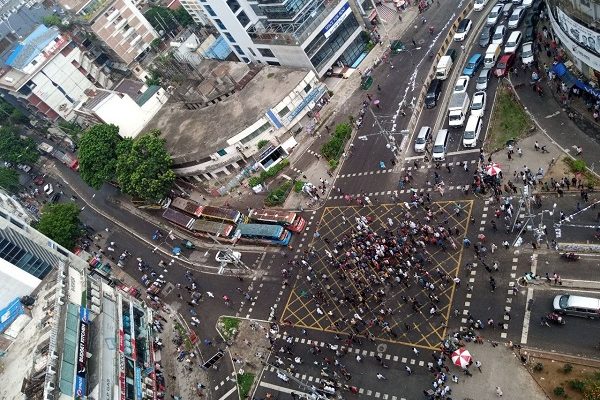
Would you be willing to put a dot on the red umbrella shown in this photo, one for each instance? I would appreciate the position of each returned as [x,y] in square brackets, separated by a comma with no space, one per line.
[461,358]
[492,169]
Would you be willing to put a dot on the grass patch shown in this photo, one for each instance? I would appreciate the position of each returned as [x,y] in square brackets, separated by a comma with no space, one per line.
[298,185]
[268,174]
[277,196]
[509,120]
[184,336]
[245,382]
[579,166]
[333,149]
[228,327]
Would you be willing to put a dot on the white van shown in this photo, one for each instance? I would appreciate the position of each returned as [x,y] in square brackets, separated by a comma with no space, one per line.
[513,42]
[48,189]
[443,68]
[440,145]
[578,306]
[472,131]
[422,139]
[491,55]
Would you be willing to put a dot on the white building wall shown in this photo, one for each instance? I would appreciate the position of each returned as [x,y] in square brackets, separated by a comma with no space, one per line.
[196,12]
[14,282]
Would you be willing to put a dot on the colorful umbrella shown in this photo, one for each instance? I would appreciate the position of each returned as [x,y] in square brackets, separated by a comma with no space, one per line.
[492,169]
[461,357]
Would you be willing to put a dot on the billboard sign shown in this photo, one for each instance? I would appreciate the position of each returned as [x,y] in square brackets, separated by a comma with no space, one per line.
[80,386]
[122,376]
[336,20]
[138,382]
[82,349]
[580,40]
[84,314]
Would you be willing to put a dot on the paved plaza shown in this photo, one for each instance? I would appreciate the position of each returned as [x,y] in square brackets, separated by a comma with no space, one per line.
[343,300]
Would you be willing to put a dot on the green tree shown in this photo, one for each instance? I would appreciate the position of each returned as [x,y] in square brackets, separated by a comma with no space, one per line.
[154,78]
[183,17]
[73,129]
[17,117]
[52,20]
[60,222]
[98,154]
[15,149]
[161,19]
[144,167]
[9,180]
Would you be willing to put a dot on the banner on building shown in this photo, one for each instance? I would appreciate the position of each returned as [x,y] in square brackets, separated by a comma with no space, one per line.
[336,20]
[84,314]
[82,348]
[138,382]
[582,42]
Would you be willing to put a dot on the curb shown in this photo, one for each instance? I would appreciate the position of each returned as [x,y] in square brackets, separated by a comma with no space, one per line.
[566,358]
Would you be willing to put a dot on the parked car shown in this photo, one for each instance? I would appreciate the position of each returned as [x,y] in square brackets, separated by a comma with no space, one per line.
[478,103]
[504,64]
[486,36]
[39,180]
[24,167]
[473,64]
[479,5]
[483,78]
[463,30]
[494,15]
[529,34]
[499,34]
[55,197]
[48,189]
[527,53]
[461,84]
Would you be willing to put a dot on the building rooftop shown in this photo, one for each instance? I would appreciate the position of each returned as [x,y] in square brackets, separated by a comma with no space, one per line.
[131,87]
[193,134]
[26,51]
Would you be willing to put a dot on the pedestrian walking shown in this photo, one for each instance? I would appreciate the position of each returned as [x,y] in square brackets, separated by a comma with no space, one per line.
[416,351]
[380,376]
[478,365]
[408,370]
[498,391]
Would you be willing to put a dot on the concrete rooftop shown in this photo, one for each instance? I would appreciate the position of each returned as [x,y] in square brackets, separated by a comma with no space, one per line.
[194,134]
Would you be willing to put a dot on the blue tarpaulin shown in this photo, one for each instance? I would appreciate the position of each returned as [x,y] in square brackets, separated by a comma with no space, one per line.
[10,313]
[563,73]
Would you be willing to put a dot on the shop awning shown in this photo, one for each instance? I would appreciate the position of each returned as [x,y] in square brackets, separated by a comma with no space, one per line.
[563,73]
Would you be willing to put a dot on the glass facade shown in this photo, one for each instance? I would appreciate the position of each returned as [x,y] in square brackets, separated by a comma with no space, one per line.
[321,49]
[285,11]
[25,254]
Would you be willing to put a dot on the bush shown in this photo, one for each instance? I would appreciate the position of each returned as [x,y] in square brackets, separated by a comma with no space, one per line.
[332,150]
[270,173]
[559,391]
[576,165]
[538,367]
[262,143]
[277,196]
[577,385]
[567,368]
[298,185]
[333,164]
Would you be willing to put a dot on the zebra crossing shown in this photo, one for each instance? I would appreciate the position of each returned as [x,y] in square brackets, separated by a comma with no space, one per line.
[404,168]
[386,13]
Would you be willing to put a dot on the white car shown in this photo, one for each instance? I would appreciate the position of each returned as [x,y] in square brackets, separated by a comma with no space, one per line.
[527,53]
[499,34]
[515,18]
[461,84]
[478,104]
[527,3]
[480,5]
[463,30]
[481,82]
[48,189]
[494,15]
[228,258]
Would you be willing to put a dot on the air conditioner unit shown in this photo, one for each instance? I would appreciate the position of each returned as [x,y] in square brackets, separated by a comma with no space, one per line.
[63,275]
[62,303]
[52,370]
[54,354]
[50,386]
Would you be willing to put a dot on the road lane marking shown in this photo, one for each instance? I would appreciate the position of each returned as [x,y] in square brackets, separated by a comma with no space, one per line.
[226,395]
[526,317]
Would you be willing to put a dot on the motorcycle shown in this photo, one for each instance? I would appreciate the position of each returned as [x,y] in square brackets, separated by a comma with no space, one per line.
[555,319]
[570,256]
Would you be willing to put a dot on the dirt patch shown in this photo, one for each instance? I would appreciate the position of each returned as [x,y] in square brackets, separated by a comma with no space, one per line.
[556,374]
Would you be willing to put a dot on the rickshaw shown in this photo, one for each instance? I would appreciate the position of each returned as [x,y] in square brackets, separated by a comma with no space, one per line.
[397,47]
[188,245]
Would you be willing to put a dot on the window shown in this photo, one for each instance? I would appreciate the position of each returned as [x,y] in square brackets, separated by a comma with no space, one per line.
[266,52]
[210,10]
[219,24]
[273,63]
[254,134]
[222,152]
[284,111]
[229,37]
[307,88]
[245,59]
[251,52]
[233,5]
[238,49]
[243,18]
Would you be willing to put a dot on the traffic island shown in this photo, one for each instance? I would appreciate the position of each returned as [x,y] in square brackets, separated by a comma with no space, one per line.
[509,120]
[248,348]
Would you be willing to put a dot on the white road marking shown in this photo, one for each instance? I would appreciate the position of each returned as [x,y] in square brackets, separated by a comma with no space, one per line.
[527,317]
[226,395]
[281,388]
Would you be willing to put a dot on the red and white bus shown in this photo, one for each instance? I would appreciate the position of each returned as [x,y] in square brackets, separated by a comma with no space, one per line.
[290,220]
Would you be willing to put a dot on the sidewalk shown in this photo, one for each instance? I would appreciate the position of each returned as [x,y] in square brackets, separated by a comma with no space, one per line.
[499,367]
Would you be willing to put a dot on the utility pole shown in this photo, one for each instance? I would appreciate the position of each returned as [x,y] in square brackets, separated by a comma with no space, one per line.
[388,135]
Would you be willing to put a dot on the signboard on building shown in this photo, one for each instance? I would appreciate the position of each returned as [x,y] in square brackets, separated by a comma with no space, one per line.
[121,340]
[80,386]
[82,348]
[577,39]
[122,375]
[138,382]
[84,314]
[336,20]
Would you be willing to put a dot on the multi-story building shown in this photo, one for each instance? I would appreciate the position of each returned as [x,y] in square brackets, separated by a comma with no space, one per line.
[195,10]
[116,23]
[313,34]
[576,23]
[82,339]
[50,73]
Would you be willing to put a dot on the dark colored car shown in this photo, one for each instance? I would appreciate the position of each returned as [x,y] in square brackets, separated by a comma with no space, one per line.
[486,36]
[529,34]
[39,180]
[531,18]
[433,93]
[504,64]
[55,197]
[452,54]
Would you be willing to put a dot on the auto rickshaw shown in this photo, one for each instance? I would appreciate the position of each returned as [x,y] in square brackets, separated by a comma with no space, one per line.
[188,245]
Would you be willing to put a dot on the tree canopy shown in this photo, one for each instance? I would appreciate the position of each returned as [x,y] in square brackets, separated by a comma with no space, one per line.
[98,154]
[60,222]
[9,179]
[144,167]
[15,149]
[162,19]
[183,17]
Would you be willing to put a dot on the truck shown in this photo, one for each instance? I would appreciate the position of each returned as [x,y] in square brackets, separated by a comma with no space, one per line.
[457,109]
[68,159]
[444,66]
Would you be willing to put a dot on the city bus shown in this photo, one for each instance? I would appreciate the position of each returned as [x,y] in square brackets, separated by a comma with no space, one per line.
[187,206]
[264,233]
[202,227]
[219,214]
[178,218]
[288,219]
